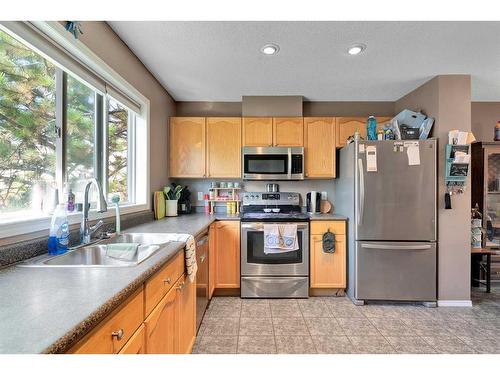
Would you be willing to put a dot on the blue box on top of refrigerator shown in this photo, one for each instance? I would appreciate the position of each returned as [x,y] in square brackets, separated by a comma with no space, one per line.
[387,189]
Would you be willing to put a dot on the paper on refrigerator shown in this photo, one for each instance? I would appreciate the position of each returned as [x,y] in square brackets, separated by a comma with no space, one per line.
[413,152]
[371,158]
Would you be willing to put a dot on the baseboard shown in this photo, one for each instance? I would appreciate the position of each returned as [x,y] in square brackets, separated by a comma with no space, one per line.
[326,292]
[454,303]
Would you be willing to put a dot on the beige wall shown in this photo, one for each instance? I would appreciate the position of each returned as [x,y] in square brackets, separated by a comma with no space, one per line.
[309,108]
[103,41]
[447,99]
[485,115]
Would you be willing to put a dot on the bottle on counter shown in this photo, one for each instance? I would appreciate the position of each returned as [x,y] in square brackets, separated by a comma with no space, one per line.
[207,203]
[71,201]
[59,231]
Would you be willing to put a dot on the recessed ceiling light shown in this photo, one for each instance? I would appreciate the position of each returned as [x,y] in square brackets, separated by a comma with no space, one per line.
[270,49]
[356,49]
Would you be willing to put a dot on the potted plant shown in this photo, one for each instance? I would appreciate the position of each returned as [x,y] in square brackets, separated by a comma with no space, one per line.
[172,195]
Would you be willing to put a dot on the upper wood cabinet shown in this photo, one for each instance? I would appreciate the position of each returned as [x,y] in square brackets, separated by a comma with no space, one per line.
[288,131]
[227,249]
[347,126]
[319,147]
[257,131]
[224,147]
[187,146]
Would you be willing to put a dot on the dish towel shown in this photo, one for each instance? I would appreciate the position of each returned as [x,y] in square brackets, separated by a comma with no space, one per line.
[280,238]
[189,252]
[124,251]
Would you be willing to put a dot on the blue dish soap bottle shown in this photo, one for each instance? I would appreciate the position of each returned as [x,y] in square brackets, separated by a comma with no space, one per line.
[371,128]
[59,232]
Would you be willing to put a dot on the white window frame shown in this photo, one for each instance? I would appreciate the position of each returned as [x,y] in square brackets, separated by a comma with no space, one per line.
[27,228]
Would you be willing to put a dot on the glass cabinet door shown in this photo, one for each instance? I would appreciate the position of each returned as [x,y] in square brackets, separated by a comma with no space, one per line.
[491,217]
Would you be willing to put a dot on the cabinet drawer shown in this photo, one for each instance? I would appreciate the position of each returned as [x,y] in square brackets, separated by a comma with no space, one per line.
[320,227]
[112,334]
[162,281]
[136,344]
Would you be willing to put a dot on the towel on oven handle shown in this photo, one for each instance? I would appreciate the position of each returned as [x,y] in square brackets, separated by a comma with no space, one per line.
[279,238]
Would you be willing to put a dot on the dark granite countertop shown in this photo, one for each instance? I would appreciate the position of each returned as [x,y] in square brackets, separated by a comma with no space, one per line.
[330,217]
[47,310]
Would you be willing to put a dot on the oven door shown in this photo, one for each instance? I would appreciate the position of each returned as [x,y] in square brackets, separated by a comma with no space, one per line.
[255,262]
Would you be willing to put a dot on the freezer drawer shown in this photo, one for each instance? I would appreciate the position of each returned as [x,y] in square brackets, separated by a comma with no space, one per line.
[395,271]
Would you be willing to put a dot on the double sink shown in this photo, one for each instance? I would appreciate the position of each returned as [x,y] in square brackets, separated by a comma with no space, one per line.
[95,255]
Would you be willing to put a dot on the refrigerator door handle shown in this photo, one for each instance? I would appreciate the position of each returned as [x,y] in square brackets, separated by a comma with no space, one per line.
[395,247]
[361,205]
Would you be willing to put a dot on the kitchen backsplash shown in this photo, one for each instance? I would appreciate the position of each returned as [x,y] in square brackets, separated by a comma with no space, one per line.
[301,187]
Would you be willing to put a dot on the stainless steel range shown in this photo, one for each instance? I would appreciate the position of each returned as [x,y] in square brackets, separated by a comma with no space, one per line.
[274,275]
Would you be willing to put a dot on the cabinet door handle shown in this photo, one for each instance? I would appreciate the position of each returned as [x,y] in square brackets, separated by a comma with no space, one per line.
[167,280]
[118,334]
[181,286]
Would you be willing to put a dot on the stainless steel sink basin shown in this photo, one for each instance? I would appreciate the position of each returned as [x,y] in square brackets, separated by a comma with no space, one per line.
[95,255]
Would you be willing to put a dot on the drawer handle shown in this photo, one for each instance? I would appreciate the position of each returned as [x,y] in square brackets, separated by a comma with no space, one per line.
[181,286]
[118,334]
[167,280]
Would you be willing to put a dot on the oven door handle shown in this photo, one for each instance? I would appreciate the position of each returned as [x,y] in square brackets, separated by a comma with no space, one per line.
[260,227]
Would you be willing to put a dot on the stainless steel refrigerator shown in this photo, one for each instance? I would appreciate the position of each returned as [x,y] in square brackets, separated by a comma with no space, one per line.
[392,254]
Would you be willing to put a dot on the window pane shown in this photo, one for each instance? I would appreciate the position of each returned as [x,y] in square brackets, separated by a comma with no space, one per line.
[80,136]
[117,150]
[27,123]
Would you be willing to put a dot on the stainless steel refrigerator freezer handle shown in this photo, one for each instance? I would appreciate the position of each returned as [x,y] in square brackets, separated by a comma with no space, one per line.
[361,205]
[395,247]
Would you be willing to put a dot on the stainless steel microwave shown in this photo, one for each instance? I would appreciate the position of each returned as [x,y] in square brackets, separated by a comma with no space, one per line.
[273,163]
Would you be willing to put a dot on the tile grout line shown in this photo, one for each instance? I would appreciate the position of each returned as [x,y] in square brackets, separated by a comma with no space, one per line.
[307,327]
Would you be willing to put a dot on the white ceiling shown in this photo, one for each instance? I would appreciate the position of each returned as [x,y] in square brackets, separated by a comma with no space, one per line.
[221,61]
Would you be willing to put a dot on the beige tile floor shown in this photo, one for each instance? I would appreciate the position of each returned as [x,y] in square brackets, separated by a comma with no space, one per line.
[334,325]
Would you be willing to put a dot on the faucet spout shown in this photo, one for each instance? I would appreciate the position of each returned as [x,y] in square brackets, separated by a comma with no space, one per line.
[102,206]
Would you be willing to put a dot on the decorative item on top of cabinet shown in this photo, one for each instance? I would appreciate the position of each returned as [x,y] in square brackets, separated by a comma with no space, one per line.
[288,131]
[328,270]
[227,258]
[187,146]
[257,131]
[319,147]
[224,147]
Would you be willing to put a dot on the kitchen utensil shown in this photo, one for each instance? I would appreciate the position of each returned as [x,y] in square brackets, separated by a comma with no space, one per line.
[325,206]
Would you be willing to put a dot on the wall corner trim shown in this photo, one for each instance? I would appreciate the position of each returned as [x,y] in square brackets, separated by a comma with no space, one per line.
[454,303]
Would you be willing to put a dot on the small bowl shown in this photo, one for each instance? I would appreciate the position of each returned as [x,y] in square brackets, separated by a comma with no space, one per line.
[267,210]
[276,210]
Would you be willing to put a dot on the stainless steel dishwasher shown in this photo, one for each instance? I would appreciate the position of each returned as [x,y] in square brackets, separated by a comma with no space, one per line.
[201,277]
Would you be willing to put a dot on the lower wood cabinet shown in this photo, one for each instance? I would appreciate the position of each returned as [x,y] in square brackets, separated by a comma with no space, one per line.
[227,254]
[328,270]
[167,326]
[162,326]
[137,343]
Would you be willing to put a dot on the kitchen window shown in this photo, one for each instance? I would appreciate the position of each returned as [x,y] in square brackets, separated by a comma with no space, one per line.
[57,130]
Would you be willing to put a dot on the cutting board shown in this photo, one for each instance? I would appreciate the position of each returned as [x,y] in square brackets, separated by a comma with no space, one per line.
[159,204]
[325,206]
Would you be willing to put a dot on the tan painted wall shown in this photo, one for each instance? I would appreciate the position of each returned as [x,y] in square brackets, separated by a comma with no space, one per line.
[309,108]
[102,40]
[485,115]
[447,99]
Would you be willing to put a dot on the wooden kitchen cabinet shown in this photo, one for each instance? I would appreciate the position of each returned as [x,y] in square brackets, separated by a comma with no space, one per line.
[111,335]
[186,313]
[212,260]
[347,126]
[319,147]
[328,270]
[187,146]
[224,147]
[257,131]
[136,344]
[288,131]
[162,325]
[227,249]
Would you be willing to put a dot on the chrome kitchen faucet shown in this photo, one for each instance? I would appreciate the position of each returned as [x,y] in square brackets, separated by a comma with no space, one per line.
[86,231]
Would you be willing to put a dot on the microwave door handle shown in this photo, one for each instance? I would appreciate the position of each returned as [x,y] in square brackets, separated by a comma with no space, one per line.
[289,163]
